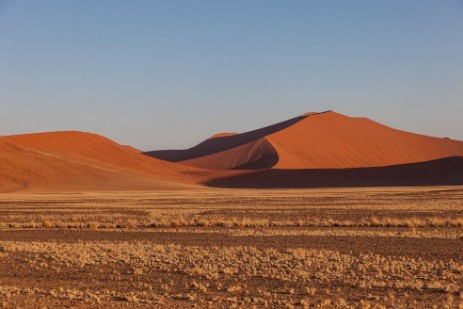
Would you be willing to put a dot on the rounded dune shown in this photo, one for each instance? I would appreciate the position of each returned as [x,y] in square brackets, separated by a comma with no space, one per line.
[332,140]
[79,161]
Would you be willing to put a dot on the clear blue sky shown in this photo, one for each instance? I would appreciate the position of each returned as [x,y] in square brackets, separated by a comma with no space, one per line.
[167,74]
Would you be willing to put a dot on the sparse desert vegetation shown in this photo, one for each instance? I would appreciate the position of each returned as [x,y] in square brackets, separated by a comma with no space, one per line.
[333,248]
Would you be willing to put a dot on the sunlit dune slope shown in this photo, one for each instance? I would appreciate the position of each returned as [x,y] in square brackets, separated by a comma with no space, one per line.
[315,141]
[80,161]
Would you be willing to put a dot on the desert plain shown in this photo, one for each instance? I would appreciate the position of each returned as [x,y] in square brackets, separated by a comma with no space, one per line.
[223,248]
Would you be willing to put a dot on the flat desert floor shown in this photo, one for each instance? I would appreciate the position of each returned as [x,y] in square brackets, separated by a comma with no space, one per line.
[333,248]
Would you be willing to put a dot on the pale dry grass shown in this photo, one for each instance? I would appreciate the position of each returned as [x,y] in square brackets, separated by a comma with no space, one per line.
[216,270]
[219,275]
[411,208]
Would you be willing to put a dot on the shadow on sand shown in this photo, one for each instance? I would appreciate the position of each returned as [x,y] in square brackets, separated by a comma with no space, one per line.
[441,172]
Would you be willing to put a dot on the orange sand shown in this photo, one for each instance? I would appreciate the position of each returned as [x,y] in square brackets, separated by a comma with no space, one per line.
[70,161]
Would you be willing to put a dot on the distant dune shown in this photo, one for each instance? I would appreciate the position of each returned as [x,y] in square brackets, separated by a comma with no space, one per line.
[325,140]
[77,161]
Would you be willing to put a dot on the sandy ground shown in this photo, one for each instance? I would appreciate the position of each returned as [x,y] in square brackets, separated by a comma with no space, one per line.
[345,248]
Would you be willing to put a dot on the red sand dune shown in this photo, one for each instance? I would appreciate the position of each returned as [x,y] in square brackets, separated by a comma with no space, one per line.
[325,140]
[77,161]
[312,150]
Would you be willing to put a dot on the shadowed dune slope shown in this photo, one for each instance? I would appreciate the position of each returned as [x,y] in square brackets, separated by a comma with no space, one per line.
[316,141]
[441,172]
[257,154]
[229,150]
[76,161]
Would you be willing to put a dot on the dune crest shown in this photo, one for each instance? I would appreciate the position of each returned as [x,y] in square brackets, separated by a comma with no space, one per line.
[224,134]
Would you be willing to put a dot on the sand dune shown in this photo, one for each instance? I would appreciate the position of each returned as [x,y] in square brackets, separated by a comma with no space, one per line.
[312,150]
[315,141]
[77,161]
[229,151]
[253,155]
